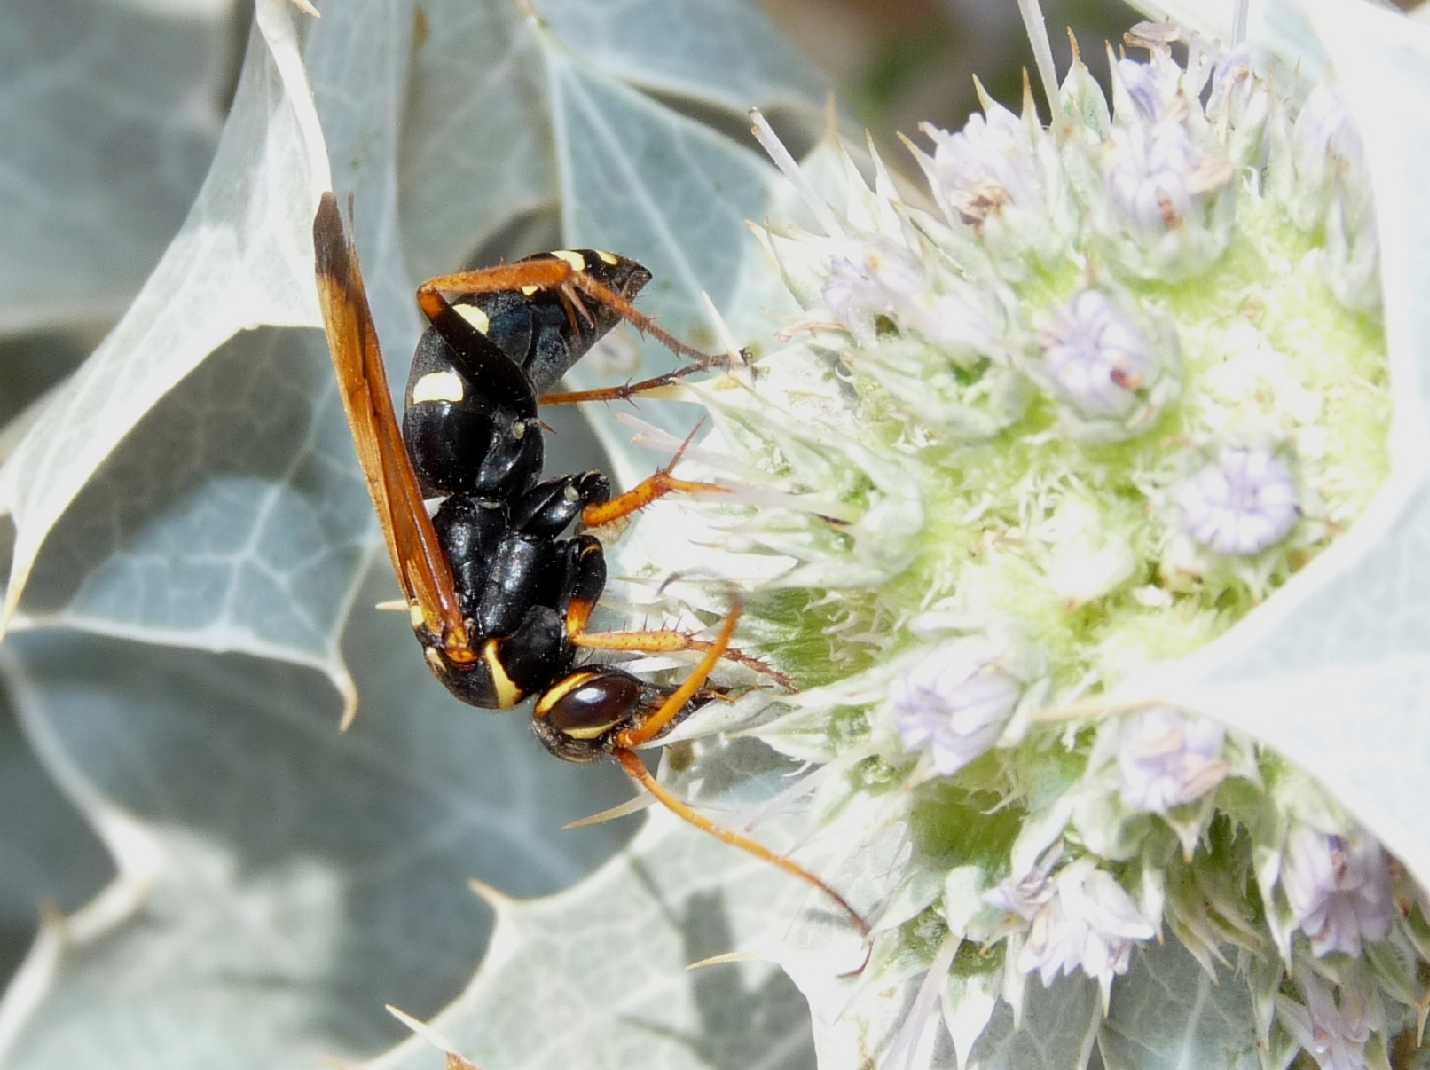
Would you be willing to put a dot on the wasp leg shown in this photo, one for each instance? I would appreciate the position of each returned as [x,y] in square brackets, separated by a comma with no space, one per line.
[621,749]
[585,580]
[653,487]
[630,390]
[477,357]
[675,702]
[547,509]
[667,641]
[542,274]
[548,274]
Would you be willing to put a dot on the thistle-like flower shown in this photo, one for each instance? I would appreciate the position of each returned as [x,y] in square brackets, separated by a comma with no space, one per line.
[1078,394]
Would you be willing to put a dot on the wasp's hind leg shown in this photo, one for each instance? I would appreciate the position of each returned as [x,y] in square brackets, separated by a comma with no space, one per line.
[678,704]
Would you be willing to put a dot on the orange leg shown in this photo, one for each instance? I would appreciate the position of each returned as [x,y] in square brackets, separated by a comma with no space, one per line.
[666,641]
[545,274]
[635,768]
[648,490]
[630,390]
[636,318]
[657,722]
[554,274]
[653,725]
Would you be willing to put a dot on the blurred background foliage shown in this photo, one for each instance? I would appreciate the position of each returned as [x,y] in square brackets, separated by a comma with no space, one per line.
[893,64]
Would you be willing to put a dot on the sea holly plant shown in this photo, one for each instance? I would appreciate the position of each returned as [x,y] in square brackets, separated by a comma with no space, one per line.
[1051,435]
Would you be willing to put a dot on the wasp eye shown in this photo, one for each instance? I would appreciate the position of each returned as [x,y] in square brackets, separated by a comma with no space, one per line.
[587,705]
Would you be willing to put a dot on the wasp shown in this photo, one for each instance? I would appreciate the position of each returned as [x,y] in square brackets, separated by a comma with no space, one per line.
[501,582]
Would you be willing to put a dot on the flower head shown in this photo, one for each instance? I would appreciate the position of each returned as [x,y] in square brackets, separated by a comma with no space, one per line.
[1089,401]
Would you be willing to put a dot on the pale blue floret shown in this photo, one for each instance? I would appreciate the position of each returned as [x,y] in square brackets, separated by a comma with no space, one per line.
[1339,890]
[1167,759]
[1079,919]
[1113,371]
[954,704]
[1241,503]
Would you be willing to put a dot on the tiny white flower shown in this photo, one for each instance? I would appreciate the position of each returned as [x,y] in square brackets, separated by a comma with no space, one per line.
[1243,502]
[1023,894]
[1241,105]
[878,279]
[955,703]
[1084,921]
[999,175]
[1332,192]
[1326,154]
[1332,1032]
[1087,557]
[1112,374]
[1168,759]
[1166,202]
[1338,889]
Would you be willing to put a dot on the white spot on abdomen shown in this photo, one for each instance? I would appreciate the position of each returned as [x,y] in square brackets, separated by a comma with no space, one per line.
[437,386]
[475,316]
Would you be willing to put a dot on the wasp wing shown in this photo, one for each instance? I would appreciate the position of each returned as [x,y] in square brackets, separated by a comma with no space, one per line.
[421,566]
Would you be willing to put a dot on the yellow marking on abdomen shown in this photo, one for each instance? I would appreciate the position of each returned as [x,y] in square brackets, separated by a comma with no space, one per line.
[575,259]
[608,258]
[438,386]
[508,694]
[434,662]
[475,316]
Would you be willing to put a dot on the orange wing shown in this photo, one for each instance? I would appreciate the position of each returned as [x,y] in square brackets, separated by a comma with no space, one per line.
[417,557]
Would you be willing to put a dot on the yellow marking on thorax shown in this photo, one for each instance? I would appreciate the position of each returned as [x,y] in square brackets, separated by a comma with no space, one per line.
[437,386]
[590,731]
[508,694]
[475,316]
[416,616]
[434,662]
[575,259]
[527,291]
[557,692]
